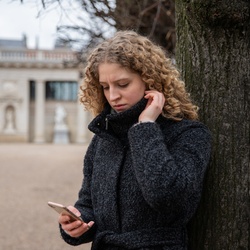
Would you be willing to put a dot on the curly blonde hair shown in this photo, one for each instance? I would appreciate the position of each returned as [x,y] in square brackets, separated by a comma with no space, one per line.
[138,54]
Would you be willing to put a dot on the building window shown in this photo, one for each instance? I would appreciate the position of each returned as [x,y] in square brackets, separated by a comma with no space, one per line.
[32,90]
[61,91]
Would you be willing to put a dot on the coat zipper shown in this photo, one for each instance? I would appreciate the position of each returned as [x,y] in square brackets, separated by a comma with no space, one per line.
[107,123]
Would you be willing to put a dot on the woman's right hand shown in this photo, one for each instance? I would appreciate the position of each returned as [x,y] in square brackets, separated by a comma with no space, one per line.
[74,228]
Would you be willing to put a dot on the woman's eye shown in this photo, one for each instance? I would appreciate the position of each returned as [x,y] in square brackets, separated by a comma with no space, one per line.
[123,85]
[105,87]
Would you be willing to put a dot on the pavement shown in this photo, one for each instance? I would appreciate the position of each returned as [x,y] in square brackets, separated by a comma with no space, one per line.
[30,176]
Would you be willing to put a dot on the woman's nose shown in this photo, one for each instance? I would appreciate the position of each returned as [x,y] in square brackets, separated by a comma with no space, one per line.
[113,94]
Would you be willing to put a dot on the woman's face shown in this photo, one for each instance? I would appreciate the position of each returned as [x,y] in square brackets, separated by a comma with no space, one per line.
[121,87]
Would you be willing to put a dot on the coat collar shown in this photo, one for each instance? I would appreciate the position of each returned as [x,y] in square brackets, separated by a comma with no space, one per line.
[110,125]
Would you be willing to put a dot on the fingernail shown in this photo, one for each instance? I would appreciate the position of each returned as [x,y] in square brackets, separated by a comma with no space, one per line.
[91,223]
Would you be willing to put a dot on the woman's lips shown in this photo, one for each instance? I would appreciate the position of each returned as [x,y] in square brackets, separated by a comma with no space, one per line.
[119,107]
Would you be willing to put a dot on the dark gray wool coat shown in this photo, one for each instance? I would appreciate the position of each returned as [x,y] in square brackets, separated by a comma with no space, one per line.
[142,183]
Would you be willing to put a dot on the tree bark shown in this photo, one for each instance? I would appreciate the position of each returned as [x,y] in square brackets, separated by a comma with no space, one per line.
[213,53]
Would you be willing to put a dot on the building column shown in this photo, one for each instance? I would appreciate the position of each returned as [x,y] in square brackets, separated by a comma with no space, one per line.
[39,112]
[83,134]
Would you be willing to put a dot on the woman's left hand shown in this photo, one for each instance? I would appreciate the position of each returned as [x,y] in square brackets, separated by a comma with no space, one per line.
[153,109]
[74,228]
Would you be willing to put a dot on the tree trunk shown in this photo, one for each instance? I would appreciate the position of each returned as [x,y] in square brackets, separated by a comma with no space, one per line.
[213,53]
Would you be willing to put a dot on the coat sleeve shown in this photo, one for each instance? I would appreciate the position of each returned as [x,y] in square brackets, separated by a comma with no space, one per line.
[171,174]
[84,203]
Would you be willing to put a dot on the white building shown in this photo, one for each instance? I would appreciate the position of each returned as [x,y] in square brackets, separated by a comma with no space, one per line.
[33,85]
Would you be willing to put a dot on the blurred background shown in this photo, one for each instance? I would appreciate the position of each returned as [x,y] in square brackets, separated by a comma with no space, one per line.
[43,128]
[43,49]
[30,176]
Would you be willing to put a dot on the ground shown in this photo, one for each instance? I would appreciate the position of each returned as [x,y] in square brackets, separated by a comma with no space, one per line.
[30,176]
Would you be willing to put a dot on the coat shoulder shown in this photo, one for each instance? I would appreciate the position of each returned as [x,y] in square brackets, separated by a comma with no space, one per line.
[173,129]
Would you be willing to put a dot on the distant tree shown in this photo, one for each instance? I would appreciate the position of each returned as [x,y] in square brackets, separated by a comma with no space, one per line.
[213,52]
[97,20]
[155,19]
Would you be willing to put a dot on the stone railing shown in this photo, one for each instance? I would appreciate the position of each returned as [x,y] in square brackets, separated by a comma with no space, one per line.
[29,55]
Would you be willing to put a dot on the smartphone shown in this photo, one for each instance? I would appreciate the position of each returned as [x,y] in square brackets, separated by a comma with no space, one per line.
[59,208]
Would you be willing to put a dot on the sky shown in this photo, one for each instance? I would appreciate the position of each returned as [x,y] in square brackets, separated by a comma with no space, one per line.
[17,19]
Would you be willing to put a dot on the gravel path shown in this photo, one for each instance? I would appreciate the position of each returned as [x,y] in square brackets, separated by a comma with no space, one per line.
[31,175]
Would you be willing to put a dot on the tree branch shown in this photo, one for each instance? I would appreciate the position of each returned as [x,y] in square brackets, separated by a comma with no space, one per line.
[156,19]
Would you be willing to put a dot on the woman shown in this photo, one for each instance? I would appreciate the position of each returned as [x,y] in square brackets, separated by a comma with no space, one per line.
[144,168]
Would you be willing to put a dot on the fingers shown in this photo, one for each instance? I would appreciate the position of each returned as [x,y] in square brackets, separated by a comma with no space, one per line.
[90,224]
[65,218]
[74,228]
[155,104]
[156,97]
[74,210]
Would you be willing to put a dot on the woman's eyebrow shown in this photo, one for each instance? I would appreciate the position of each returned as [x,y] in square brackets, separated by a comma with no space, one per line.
[116,81]
[102,83]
